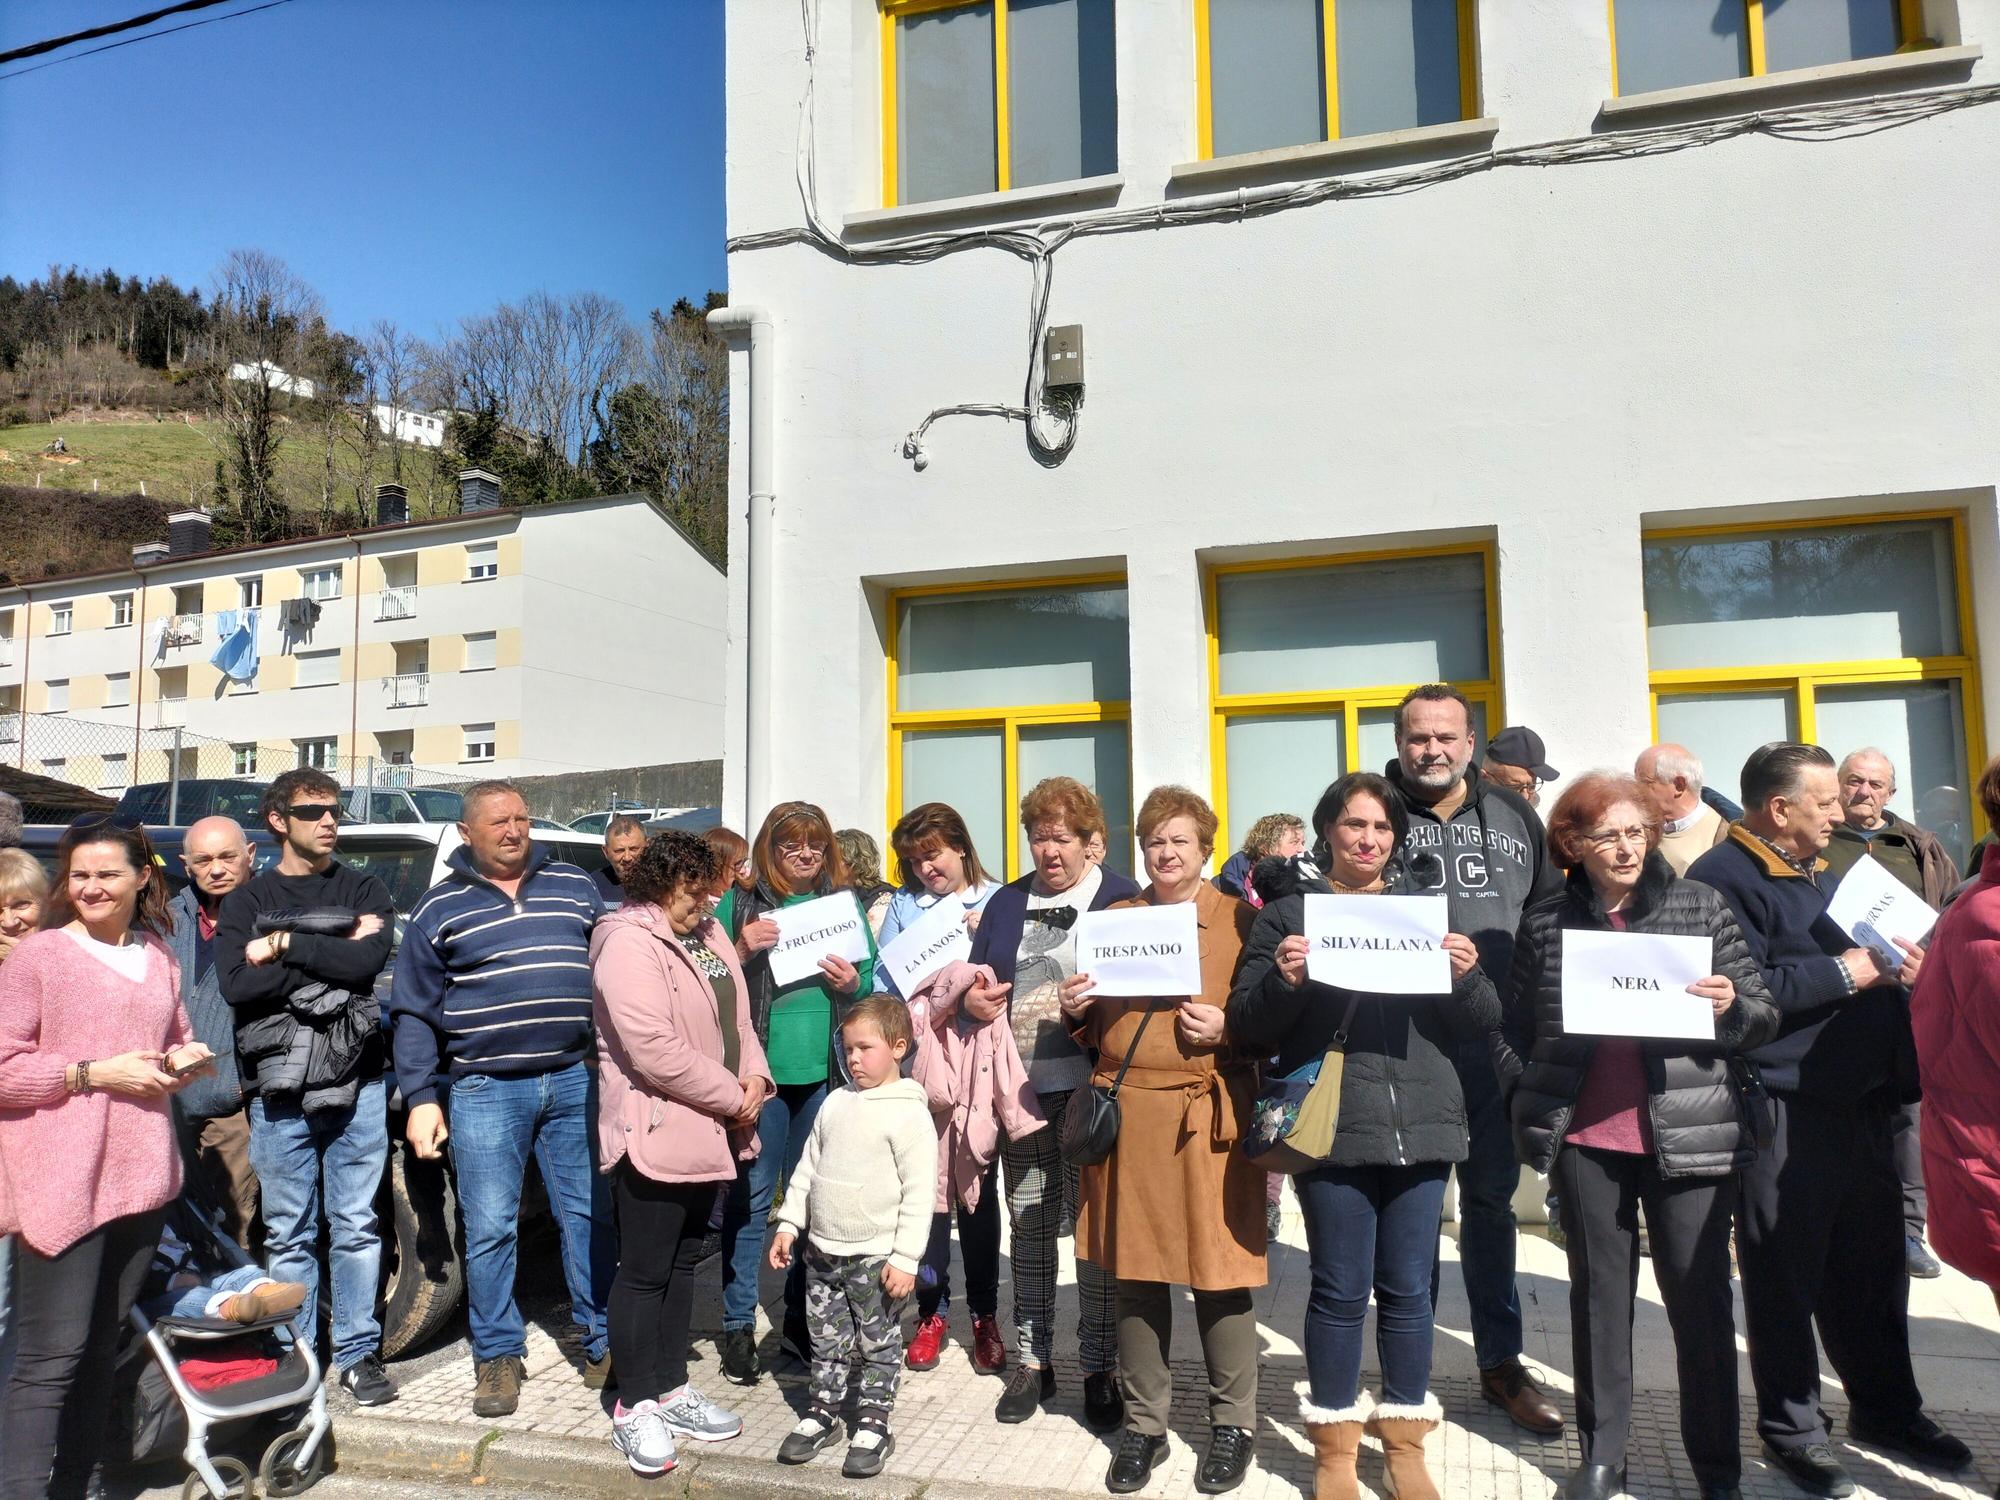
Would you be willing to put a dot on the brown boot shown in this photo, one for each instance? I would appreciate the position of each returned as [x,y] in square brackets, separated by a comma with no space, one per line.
[1336,1438]
[1402,1430]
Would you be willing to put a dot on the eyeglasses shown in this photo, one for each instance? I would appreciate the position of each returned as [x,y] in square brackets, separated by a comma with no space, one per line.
[1605,842]
[792,848]
[312,812]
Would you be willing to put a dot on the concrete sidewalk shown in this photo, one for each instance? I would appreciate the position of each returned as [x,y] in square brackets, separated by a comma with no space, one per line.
[946,1437]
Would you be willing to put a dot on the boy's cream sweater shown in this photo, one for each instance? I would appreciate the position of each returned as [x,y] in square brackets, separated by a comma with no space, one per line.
[869,1173]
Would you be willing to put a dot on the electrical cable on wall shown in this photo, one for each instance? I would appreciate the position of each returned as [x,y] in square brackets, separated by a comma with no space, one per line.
[1038,245]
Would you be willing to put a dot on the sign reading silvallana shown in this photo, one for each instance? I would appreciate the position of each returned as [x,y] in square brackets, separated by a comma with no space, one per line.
[812,930]
[937,938]
[1380,945]
[1636,984]
[1141,950]
[1875,908]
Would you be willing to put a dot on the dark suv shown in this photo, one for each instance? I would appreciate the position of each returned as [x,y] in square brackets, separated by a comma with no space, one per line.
[199,797]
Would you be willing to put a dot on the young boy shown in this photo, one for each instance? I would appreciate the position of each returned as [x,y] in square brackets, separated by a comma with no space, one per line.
[862,1196]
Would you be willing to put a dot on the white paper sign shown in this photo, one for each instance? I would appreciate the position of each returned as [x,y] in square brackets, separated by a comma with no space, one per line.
[1141,950]
[937,938]
[1381,945]
[1875,908]
[812,930]
[1635,984]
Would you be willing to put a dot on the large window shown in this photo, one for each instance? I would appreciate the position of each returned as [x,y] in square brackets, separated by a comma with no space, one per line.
[1293,72]
[979,96]
[121,609]
[118,690]
[318,754]
[1850,636]
[994,689]
[1665,44]
[321,584]
[1309,660]
[317,668]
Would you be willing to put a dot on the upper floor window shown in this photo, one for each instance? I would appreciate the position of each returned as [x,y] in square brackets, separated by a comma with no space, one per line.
[60,616]
[481,654]
[121,609]
[187,600]
[1666,44]
[58,695]
[981,96]
[480,743]
[243,760]
[118,690]
[482,560]
[319,754]
[317,668]
[1292,72]
[250,592]
[321,583]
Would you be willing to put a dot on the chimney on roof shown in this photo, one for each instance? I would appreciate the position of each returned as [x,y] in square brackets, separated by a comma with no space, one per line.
[392,505]
[145,554]
[187,532]
[477,490]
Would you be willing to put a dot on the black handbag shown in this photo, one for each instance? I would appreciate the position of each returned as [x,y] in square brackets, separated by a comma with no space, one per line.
[1090,1121]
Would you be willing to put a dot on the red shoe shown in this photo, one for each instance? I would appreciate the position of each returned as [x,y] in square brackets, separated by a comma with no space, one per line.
[927,1345]
[989,1353]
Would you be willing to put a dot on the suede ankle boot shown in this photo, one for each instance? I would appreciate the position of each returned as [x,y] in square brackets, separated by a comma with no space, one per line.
[1336,1438]
[1402,1430]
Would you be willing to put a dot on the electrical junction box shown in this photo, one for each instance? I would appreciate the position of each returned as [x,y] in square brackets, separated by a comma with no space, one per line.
[1062,352]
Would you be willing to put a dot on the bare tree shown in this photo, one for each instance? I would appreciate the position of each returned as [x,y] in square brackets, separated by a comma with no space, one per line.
[393,360]
[262,314]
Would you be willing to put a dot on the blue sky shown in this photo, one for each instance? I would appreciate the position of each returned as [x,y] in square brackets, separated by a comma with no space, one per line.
[417,160]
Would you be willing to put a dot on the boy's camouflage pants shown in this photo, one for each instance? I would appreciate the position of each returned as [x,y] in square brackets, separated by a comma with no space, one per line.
[847,1311]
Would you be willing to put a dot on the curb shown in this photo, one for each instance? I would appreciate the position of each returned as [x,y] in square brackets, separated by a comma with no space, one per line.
[379,1447]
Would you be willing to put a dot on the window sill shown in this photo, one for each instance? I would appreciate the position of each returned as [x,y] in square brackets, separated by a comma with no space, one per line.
[1317,157]
[983,208]
[1731,94]
[476,669]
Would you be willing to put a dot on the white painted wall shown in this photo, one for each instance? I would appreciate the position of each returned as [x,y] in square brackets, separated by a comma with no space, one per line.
[1553,357]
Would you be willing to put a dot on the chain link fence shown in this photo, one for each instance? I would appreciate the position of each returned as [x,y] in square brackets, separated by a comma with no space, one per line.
[109,758]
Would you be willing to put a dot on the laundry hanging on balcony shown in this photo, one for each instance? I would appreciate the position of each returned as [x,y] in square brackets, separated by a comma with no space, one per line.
[236,644]
[156,640]
[296,618]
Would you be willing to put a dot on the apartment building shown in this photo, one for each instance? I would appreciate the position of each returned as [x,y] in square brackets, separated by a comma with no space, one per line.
[494,641]
[1628,364]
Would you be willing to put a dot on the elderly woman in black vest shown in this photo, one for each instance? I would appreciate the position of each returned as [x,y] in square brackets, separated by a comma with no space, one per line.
[1619,1122]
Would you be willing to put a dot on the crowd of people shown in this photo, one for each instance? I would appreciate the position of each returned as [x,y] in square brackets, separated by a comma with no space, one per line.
[631,1031]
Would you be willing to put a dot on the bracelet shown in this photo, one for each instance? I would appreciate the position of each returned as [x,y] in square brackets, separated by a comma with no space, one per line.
[82,1078]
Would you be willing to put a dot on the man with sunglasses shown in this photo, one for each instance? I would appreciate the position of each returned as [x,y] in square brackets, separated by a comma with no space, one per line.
[299,948]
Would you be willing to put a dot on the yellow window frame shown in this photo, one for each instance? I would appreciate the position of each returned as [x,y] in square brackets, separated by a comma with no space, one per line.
[1009,720]
[893,11]
[1468,70]
[1909,33]
[1349,703]
[1804,679]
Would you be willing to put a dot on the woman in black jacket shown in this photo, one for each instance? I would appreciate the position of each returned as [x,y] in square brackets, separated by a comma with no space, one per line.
[1618,1122]
[1372,1209]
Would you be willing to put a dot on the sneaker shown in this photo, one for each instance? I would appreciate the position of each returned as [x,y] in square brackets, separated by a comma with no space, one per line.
[690,1414]
[872,1445]
[641,1435]
[597,1372]
[817,1430]
[926,1344]
[738,1347]
[1103,1403]
[989,1350]
[1922,1264]
[496,1385]
[367,1382]
[1028,1389]
[270,1299]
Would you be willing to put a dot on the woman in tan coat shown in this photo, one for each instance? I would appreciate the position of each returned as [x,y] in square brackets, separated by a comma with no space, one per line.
[1176,1203]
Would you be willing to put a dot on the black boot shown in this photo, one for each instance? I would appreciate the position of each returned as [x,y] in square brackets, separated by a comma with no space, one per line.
[1133,1464]
[1595,1482]
[1103,1403]
[1226,1461]
[1028,1389]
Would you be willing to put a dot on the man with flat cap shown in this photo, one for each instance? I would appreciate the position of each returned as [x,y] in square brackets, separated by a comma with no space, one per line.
[1517,759]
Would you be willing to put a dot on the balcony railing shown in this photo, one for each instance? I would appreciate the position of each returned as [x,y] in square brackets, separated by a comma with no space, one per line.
[408,689]
[398,603]
[184,630]
[170,713]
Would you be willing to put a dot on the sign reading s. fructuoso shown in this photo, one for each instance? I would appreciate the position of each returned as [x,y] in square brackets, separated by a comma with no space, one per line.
[811,930]
[1141,950]
[937,938]
[1636,984]
[1389,945]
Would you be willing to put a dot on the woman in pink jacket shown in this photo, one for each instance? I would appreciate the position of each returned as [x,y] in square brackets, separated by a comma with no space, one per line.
[681,1079]
[92,1041]
[1955,1013]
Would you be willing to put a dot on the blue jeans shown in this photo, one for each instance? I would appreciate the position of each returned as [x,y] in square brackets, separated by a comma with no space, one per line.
[1486,1226]
[330,1162]
[192,1301]
[782,1130]
[495,1123]
[1370,1229]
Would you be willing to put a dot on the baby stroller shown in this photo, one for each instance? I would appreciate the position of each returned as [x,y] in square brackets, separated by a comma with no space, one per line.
[158,1407]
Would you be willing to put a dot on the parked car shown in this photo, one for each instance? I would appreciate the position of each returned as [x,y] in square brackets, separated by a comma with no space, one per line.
[423,1273]
[690,819]
[594,823]
[156,802]
[402,804]
[40,840]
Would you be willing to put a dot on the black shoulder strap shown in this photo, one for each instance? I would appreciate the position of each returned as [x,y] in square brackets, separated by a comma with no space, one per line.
[1133,1050]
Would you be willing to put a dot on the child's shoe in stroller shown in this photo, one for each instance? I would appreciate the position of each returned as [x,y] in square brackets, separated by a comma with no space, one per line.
[267,1299]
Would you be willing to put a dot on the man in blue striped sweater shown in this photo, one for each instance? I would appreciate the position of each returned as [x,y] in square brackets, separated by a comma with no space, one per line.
[491,1018]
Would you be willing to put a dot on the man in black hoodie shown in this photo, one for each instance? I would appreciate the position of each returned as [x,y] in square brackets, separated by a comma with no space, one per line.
[1490,857]
[298,950]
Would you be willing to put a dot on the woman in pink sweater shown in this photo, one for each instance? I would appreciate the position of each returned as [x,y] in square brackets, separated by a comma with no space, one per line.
[92,1041]
[681,1081]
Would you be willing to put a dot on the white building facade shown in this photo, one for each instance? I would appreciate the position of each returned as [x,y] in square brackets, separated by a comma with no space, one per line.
[500,642]
[424,429]
[1491,345]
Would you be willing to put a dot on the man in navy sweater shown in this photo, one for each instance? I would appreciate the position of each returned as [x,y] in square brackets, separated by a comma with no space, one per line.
[1819,1226]
[491,1013]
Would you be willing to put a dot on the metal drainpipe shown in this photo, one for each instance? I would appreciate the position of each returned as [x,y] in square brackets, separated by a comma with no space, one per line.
[734,323]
